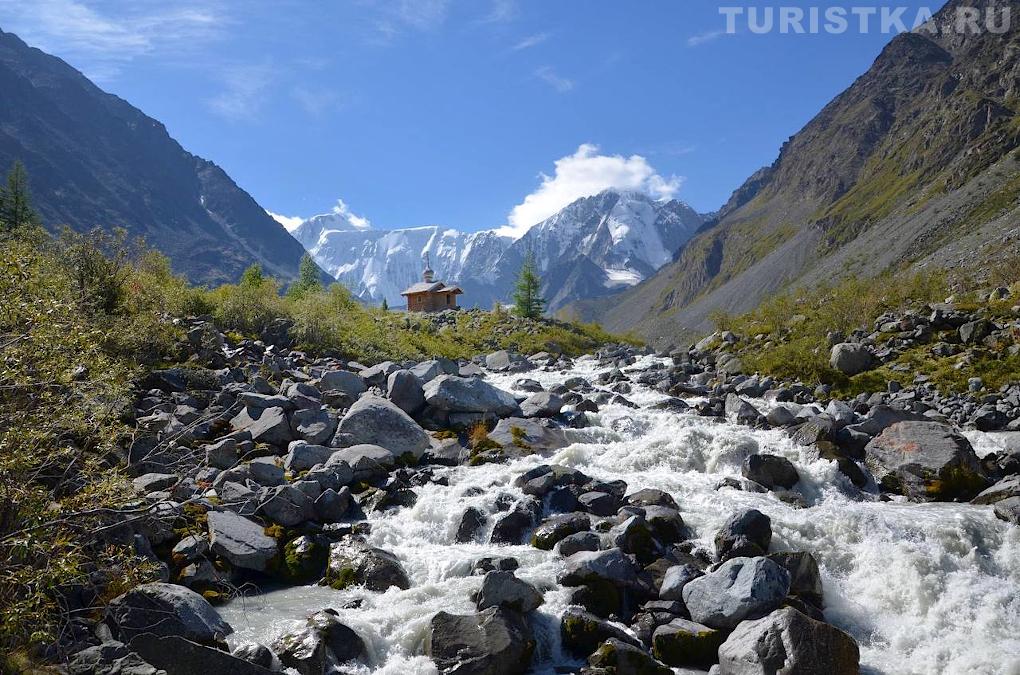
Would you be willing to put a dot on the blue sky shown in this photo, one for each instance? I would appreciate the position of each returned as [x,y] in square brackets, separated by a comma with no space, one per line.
[470,114]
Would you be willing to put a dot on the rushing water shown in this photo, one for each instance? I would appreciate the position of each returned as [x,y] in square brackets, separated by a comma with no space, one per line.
[931,588]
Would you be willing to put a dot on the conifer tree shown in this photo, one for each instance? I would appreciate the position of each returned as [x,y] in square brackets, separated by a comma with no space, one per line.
[15,204]
[385,305]
[528,301]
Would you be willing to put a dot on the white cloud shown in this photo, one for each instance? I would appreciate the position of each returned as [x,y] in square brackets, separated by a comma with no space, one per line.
[317,101]
[549,76]
[583,174]
[291,223]
[395,17]
[100,42]
[243,93]
[704,38]
[530,41]
[359,222]
[501,11]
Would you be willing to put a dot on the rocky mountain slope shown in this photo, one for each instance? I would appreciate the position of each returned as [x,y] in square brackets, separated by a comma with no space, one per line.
[590,248]
[914,164]
[95,160]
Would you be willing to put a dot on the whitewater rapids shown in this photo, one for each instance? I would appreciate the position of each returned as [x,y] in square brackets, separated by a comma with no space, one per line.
[923,588]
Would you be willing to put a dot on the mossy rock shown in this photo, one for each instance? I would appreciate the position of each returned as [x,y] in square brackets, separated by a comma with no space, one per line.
[685,643]
[599,597]
[304,560]
[344,577]
[621,657]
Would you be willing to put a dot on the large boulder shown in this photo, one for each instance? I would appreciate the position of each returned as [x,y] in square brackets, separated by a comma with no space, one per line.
[166,610]
[496,641]
[925,461]
[686,643]
[747,533]
[851,358]
[405,390]
[352,562]
[178,656]
[363,462]
[617,656]
[541,404]
[528,433]
[741,588]
[772,471]
[469,394]
[504,589]
[313,425]
[320,646]
[343,381]
[786,642]
[558,527]
[239,541]
[266,425]
[375,421]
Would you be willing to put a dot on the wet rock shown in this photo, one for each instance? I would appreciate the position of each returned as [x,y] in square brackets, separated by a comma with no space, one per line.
[376,421]
[539,481]
[851,358]
[1004,489]
[528,433]
[504,589]
[496,641]
[1008,510]
[742,411]
[651,497]
[633,536]
[304,560]
[582,632]
[780,416]
[610,566]
[459,394]
[741,588]
[110,658]
[682,643]
[620,657]
[787,641]
[405,390]
[255,653]
[471,525]
[772,471]
[925,461]
[666,524]
[599,503]
[320,646]
[512,527]
[556,528]
[744,534]
[805,578]
[166,610]
[240,541]
[353,562]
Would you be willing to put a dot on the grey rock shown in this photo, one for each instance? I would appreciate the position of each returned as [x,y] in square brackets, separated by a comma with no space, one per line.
[556,528]
[532,433]
[851,358]
[240,541]
[675,579]
[267,470]
[617,656]
[596,566]
[772,471]
[405,390]
[320,646]
[459,394]
[471,524]
[575,543]
[190,548]
[286,505]
[331,506]
[266,425]
[353,562]
[110,658]
[166,610]
[178,656]
[313,425]
[222,454]
[541,404]
[787,641]
[682,643]
[741,588]
[364,461]
[504,589]
[1004,489]
[496,641]
[1008,510]
[302,456]
[744,534]
[376,421]
[343,381]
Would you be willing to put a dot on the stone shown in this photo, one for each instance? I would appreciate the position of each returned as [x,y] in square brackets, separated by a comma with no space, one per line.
[504,589]
[499,361]
[152,482]
[459,394]
[925,461]
[675,579]
[582,632]
[787,641]
[556,528]
[682,643]
[610,566]
[178,656]
[405,390]
[376,421]
[1004,489]
[240,541]
[320,646]
[472,522]
[496,641]
[352,562]
[266,425]
[743,534]
[541,404]
[851,358]
[302,456]
[267,470]
[974,332]
[286,505]
[315,426]
[1008,510]
[666,524]
[331,506]
[166,610]
[742,411]
[599,503]
[190,548]
[222,454]
[651,497]
[575,543]
[620,657]
[772,471]
[511,527]
[364,461]
[780,416]
[805,577]
[343,381]
[530,433]
[741,588]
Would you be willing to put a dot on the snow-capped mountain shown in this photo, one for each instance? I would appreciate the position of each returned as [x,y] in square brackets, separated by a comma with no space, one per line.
[592,247]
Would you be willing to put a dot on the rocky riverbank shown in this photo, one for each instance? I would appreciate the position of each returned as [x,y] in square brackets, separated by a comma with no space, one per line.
[276,470]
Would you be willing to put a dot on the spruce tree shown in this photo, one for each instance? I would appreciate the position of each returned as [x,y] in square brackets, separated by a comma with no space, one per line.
[385,305]
[308,275]
[528,301]
[15,204]
[253,277]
